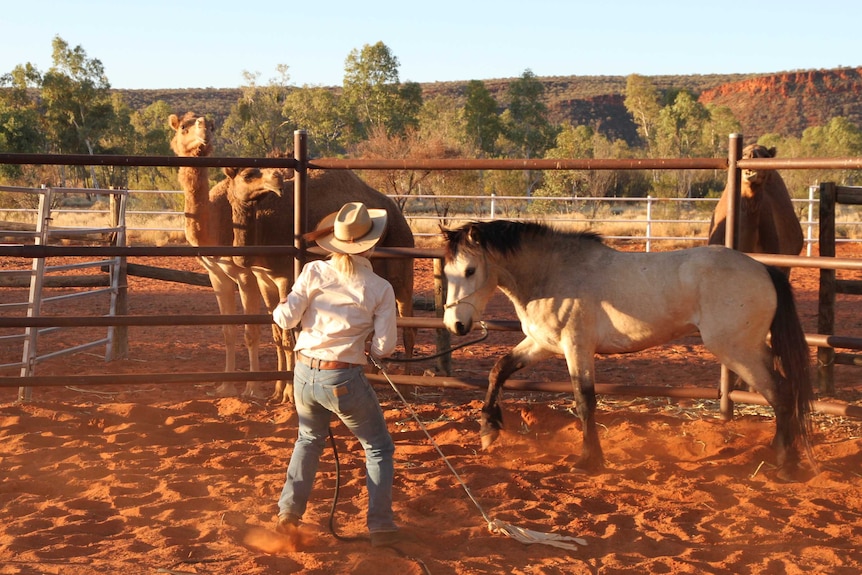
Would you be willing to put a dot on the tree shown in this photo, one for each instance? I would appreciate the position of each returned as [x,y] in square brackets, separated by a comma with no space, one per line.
[679,134]
[525,123]
[443,133]
[584,142]
[152,137]
[373,94]
[643,103]
[414,145]
[256,125]
[481,117]
[716,134]
[19,119]
[441,117]
[680,126]
[119,138]
[838,138]
[318,111]
[407,108]
[75,93]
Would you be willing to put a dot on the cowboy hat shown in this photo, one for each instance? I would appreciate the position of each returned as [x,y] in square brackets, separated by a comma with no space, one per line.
[351,230]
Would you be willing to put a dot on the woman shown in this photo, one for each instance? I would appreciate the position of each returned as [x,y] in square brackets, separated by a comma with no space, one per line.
[345,311]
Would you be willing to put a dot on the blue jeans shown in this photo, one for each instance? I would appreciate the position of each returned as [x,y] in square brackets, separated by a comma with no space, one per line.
[348,394]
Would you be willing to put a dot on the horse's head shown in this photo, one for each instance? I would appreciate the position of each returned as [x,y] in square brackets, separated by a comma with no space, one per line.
[470,280]
[756,151]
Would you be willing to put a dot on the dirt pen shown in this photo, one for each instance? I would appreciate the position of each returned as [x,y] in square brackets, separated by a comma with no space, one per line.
[141,471]
[301,163]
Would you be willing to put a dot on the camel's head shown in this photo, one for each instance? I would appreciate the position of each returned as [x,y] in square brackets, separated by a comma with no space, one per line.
[253,184]
[756,151]
[287,173]
[191,136]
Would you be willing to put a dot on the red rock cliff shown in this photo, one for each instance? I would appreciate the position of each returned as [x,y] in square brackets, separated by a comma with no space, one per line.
[789,102]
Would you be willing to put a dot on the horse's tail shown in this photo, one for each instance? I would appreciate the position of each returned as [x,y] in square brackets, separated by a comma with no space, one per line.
[791,356]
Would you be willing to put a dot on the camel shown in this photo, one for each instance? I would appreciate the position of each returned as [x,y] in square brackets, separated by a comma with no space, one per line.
[208,223]
[262,204]
[767,221]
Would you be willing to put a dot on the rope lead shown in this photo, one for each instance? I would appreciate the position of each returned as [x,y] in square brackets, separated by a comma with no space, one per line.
[525,536]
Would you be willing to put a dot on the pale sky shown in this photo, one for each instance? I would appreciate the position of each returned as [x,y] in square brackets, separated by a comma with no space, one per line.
[194,44]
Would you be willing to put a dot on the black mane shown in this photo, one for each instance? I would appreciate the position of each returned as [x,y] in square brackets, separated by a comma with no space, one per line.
[504,236]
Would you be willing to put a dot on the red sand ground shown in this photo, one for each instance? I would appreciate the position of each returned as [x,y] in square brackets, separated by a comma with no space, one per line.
[128,480]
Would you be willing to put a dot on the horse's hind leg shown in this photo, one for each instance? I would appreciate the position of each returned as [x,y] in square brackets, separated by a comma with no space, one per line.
[754,365]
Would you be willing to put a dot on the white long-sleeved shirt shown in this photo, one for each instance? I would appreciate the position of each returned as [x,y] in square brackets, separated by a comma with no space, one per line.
[337,312]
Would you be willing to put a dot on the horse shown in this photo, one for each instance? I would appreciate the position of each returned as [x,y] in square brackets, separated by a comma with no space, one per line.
[577,297]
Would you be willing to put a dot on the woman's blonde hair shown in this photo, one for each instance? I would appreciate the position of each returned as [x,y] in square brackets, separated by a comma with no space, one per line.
[344,264]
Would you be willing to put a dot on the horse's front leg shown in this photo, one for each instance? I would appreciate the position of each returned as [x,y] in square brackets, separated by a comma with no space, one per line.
[522,355]
[581,364]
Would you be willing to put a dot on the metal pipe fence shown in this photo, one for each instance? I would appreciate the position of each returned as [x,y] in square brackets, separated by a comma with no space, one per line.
[640,219]
[733,164]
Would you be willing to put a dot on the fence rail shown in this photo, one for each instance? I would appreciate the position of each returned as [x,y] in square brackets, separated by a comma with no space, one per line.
[301,163]
[642,215]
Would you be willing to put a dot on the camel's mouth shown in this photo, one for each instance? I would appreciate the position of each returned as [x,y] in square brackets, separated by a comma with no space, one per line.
[274,189]
[752,175]
[200,148]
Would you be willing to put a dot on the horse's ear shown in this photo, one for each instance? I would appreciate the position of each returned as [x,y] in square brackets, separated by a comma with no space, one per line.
[771,152]
[473,235]
[230,172]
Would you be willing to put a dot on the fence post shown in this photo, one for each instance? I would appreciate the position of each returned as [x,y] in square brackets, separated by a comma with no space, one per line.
[120,343]
[648,221]
[444,339]
[300,193]
[810,222]
[826,293]
[734,182]
[493,206]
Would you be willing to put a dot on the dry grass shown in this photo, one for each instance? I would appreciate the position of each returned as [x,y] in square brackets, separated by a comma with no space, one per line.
[165,229]
[427,230]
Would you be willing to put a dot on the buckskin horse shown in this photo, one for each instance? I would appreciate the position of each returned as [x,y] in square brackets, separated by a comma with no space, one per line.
[576,296]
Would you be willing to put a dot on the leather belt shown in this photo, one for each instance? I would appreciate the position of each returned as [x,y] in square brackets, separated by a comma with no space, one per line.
[315,363]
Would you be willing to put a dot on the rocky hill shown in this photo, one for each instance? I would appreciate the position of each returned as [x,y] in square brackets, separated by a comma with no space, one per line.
[785,102]
[789,102]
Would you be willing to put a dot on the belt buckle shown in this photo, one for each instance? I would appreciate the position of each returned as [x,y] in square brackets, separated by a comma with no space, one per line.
[313,362]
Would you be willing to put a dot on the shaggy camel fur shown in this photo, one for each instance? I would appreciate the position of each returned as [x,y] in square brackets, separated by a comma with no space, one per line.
[208,223]
[262,202]
[767,221]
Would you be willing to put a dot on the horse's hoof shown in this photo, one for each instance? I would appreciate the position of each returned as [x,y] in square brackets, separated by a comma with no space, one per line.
[789,474]
[489,438]
[586,466]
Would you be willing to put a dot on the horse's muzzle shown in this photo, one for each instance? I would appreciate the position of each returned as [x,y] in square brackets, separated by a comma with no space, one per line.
[462,328]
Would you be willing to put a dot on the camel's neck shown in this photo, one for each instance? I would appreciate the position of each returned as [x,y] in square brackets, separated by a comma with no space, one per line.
[244,222]
[198,208]
[751,196]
